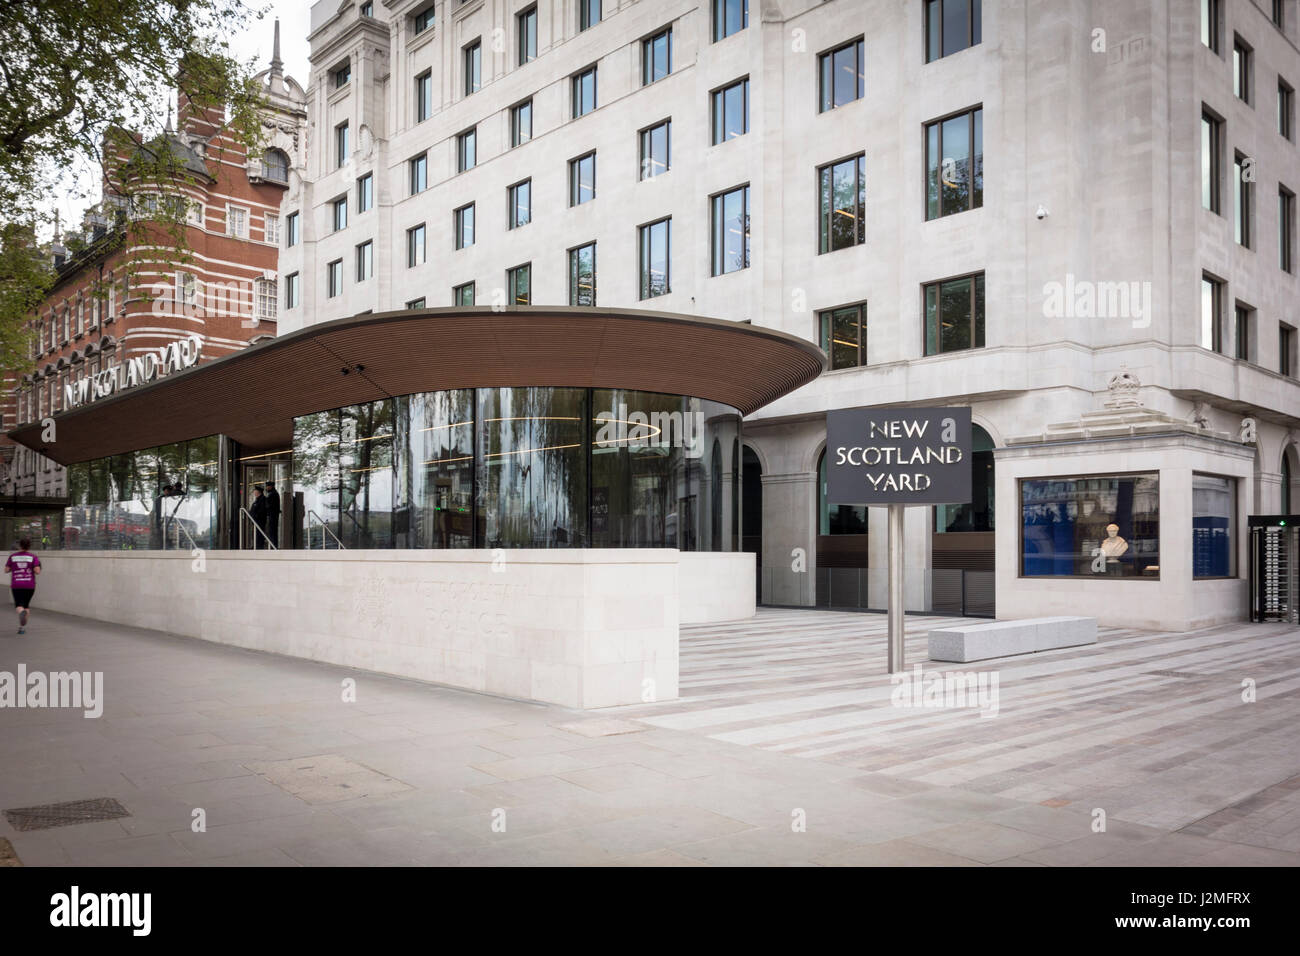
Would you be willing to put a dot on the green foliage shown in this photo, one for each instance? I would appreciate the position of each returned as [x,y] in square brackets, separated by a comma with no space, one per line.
[75,79]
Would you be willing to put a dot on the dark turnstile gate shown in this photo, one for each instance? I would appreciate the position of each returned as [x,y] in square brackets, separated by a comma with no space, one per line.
[1275,568]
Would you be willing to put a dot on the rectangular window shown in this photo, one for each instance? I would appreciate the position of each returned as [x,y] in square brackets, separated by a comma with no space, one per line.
[365,261]
[194,212]
[291,299]
[416,303]
[950,27]
[1286,357]
[844,336]
[729,16]
[415,246]
[187,291]
[422,20]
[526,24]
[583,92]
[1285,229]
[656,56]
[519,201]
[1091,526]
[1241,70]
[334,279]
[1214,514]
[1211,336]
[265,300]
[1211,160]
[473,56]
[588,14]
[291,234]
[843,204]
[237,222]
[340,213]
[730,230]
[841,76]
[341,150]
[271,228]
[656,145]
[1285,109]
[366,193]
[582,179]
[654,242]
[424,96]
[521,123]
[464,294]
[954,315]
[464,223]
[467,150]
[1243,193]
[1210,24]
[582,275]
[342,76]
[1279,14]
[730,111]
[519,283]
[419,173]
[954,162]
[1245,320]
[367,9]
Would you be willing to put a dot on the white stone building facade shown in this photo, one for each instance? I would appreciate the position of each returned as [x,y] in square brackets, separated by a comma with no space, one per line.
[1124,238]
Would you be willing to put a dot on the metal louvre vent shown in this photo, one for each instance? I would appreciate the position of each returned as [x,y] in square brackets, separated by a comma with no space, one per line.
[65,814]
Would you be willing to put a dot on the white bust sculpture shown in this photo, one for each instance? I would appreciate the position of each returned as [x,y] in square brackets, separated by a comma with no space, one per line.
[1112,546]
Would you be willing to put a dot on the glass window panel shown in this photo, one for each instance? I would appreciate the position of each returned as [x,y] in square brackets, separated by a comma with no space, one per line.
[442,469]
[1091,526]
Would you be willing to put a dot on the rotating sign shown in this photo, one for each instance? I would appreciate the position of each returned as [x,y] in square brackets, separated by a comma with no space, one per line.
[898,456]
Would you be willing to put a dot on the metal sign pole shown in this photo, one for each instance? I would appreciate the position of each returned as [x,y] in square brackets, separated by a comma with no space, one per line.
[896,589]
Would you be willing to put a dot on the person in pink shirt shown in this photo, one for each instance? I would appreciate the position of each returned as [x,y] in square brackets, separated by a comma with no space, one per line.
[23,566]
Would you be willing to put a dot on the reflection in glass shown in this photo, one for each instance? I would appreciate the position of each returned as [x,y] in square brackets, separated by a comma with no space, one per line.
[442,468]
[532,488]
[1094,526]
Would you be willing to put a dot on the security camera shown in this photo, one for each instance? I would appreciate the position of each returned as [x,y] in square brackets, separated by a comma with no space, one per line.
[1040,212]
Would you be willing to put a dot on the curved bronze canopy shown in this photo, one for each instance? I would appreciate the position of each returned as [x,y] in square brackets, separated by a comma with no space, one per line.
[254,395]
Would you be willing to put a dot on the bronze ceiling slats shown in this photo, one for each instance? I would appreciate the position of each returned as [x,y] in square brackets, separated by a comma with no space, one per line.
[254,395]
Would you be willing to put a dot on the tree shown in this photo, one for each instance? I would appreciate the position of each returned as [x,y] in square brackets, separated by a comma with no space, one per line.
[91,81]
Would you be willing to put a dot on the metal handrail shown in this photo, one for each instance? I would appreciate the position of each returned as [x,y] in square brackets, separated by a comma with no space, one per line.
[324,531]
[256,527]
[169,518]
[181,527]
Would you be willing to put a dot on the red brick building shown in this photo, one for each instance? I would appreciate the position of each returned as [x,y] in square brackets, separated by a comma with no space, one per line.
[118,303]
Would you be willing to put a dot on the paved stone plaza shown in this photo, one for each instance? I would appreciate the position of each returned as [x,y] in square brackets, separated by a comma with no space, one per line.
[783,719]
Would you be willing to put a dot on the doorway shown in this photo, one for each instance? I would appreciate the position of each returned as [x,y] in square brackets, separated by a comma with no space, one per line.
[276,530]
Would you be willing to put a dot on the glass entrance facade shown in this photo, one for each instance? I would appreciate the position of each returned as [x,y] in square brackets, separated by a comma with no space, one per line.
[529,467]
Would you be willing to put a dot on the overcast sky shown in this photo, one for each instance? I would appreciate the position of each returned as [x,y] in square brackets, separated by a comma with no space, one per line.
[254,44]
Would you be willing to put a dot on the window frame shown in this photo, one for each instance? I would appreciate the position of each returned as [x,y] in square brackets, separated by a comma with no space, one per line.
[472,66]
[648,56]
[978,317]
[513,206]
[339,213]
[644,239]
[573,254]
[342,144]
[423,98]
[826,210]
[1212,178]
[466,142]
[292,291]
[523,33]
[585,9]
[459,223]
[456,295]
[417,245]
[1243,198]
[971,151]
[718,111]
[333,289]
[575,84]
[718,30]
[417,173]
[1243,70]
[365,193]
[1214,334]
[525,268]
[1285,229]
[717,223]
[974,26]
[825,334]
[365,260]
[645,156]
[860,69]
[515,127]
[575,179]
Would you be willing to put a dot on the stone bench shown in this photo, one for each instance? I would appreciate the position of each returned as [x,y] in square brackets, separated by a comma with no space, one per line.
[979,642]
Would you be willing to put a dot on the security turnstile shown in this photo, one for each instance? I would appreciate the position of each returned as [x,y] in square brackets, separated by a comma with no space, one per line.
[1275,568]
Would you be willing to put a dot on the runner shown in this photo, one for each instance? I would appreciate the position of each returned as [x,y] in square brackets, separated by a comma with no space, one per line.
[23,566]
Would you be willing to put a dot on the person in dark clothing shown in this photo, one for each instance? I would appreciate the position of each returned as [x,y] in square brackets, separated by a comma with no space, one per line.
[258,511]
[273,513]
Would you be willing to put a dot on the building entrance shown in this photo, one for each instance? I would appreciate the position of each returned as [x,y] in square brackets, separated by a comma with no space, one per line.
[264,526]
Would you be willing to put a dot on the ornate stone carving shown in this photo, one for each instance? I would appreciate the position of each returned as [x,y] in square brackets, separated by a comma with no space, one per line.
[1123,388]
